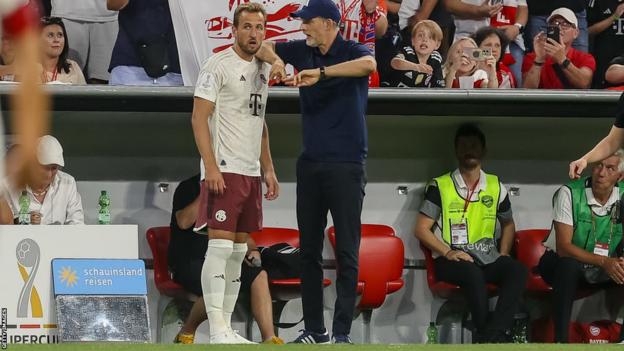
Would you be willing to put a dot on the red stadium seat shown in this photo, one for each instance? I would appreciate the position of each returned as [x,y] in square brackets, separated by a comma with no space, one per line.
[381,258]
[529,251]
[439,288]
[282,290]
[443,291]
[158,240]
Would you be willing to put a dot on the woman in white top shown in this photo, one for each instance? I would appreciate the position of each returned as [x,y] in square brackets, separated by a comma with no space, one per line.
[458,65]
[56,66]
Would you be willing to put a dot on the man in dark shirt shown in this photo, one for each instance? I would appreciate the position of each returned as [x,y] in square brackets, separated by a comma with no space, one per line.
[607,28]
[145,23]
[333,82]
[187,250]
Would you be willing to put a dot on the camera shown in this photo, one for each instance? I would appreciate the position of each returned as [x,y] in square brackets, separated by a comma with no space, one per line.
[552,32]
[477,54]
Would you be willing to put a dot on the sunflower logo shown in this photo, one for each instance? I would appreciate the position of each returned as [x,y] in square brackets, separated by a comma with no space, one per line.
[69,276]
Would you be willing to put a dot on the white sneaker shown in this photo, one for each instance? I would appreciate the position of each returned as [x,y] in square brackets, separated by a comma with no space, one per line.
[240,339]
[225,337]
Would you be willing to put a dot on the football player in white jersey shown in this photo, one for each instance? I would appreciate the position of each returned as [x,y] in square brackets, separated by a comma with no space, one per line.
[232,138]
[29,103]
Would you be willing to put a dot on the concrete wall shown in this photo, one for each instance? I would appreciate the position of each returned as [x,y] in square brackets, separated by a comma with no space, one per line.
[129,140]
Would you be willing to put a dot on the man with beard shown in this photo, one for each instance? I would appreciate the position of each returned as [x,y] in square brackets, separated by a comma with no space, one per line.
[233,140]
[457,222]
[333,89]
[585,247]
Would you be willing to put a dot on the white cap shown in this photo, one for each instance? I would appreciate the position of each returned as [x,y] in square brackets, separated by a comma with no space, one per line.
[567,15]
[50,151]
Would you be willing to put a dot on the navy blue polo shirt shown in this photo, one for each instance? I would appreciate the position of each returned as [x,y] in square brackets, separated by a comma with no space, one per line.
[333,110]
[144,21]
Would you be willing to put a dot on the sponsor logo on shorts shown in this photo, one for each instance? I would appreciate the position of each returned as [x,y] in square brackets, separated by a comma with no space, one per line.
[220,216]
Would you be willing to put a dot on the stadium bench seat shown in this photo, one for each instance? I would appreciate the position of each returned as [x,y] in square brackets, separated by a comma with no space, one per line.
[443,291]
[529,250]
[381,258]
[158,240]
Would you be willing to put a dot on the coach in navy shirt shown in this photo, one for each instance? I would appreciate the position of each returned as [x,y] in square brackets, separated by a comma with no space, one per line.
[333,89]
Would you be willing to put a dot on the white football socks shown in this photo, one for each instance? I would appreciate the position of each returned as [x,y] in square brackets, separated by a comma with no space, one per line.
[213,280]
[232,280]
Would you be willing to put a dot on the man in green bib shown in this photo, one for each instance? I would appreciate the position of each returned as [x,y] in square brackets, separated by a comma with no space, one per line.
[585,246]
[457,221]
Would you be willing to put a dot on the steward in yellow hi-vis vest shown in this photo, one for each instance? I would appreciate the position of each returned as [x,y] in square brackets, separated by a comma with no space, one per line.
[457,225]
[469,225]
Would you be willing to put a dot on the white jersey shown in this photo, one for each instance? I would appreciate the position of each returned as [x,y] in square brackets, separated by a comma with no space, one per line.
[239,90]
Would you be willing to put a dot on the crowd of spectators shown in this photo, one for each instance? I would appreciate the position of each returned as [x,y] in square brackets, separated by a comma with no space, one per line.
[418,43]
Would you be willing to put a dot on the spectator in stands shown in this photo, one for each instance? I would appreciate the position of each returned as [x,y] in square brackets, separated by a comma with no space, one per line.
[373,25]
[496,41]
[615,73]
[462,207]
[585,247]
[510,16]
[145,52]
[607,29]
[92,30]
[187,250]
[557,65]
[420,65]
[56,66]
[539,12]
[54,198]
[414,11]
[7,58]
[470,15]
[461,69]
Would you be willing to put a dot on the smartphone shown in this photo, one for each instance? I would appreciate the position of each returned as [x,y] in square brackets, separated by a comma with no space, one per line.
[496,2]
[552,32]
[476,54]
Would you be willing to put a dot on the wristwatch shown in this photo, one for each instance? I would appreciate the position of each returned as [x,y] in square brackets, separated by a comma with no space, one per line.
[520,27]
[565,63]
[323,76]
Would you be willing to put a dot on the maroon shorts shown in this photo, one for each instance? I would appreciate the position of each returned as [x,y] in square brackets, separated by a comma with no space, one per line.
[237,210]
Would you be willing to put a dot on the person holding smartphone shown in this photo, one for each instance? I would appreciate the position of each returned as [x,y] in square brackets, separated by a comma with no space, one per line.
[555,64]
[461,69]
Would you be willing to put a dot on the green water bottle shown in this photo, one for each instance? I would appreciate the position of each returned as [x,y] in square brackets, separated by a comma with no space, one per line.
[24,211]
[104,201]
[432,334]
